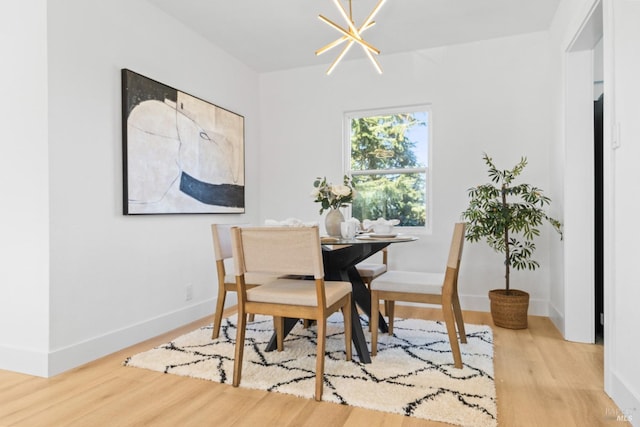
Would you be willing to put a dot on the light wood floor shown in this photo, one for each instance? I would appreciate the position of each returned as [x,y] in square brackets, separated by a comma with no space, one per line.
[541,380]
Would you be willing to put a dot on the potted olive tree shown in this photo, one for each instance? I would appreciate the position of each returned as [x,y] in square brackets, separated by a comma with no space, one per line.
[508,216]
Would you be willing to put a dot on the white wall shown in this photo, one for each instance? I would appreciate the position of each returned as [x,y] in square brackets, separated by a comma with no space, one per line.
[114,280]
[622,293]
[488,96]
[24,172]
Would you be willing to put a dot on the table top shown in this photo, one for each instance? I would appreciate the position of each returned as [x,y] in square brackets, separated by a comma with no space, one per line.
[368,238]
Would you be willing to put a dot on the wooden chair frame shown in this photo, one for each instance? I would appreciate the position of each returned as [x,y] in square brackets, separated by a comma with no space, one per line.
[277,255]
[221,235]
[448,299]
[367,279]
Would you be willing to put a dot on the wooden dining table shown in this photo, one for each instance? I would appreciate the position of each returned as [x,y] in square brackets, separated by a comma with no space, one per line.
[340,257]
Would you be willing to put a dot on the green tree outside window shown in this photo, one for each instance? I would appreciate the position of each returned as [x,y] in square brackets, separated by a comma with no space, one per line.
[389,167]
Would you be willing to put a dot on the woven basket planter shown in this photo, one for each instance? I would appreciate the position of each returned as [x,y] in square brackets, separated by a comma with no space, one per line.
[509,310]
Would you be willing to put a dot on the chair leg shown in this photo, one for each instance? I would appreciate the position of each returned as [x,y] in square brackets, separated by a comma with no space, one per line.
[252,317]
[322,336]
[217,317]
[367,282]
[457,311]
[391,313]
[375,313]
[346,313]
[237,364]
[447,311]
[278,324]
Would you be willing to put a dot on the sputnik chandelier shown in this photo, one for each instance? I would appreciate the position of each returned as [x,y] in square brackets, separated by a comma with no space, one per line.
[351,35]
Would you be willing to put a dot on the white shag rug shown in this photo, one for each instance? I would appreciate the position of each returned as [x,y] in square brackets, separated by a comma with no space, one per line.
[412,374]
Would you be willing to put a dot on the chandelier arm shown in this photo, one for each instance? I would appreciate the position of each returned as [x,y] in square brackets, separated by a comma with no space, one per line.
[341,40]
[331,45]
[340,56]
[349,35]
[373,60]
[363,28]
[347,18]
[373,13]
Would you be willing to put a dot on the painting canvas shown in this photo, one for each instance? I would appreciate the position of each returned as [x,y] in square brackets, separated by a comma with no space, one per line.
[181,154]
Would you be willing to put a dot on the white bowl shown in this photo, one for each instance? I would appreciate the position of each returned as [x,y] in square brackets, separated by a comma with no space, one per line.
[383,228]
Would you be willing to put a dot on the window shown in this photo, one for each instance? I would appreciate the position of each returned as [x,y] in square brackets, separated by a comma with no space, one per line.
[388,159]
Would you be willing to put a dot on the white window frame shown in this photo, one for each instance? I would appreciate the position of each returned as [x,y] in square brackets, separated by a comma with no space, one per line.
[346,145]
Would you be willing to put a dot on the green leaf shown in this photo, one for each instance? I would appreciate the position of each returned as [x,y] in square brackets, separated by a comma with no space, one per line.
[508,216]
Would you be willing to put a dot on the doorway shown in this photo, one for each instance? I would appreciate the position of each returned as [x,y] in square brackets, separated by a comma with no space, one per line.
[583,202]
[598,182]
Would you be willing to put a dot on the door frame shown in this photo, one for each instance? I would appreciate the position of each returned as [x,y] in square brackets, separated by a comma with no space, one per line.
[579,219]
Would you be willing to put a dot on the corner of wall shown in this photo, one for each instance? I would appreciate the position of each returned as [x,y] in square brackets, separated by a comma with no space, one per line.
[557,318]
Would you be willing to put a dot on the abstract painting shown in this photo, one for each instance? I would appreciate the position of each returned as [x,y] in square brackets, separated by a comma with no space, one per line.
[181,154]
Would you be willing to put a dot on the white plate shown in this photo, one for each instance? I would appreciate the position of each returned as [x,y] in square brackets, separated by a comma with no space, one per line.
[383,236]
[396,237]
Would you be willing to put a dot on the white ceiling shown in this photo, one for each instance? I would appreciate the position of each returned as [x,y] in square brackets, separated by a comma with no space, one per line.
[270,35]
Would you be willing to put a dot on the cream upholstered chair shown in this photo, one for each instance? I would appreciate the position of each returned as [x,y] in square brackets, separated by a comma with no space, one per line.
[295,252]
[428,288]
[369,270]
[221,234]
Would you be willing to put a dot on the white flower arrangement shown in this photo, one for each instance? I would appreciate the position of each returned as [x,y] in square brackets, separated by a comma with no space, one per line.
[333,196]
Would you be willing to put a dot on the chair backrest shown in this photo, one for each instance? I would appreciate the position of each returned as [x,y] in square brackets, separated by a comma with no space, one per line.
[281,250]
[450,284]
[221,234]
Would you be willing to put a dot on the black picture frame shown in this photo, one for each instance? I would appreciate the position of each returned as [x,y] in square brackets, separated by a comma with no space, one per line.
[181,154]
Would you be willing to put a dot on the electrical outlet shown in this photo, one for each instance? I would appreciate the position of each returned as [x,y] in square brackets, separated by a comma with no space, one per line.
[188,292]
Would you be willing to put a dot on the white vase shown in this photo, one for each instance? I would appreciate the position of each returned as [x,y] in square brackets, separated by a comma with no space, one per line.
[332,222]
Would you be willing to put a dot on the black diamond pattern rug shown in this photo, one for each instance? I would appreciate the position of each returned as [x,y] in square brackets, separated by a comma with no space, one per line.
[412,374]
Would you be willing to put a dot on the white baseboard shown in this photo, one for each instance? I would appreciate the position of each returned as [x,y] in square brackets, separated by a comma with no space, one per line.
[628,402]
[24,361]
[60,360]
[63,359]
[474,302]
[557,319]
[537,307]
